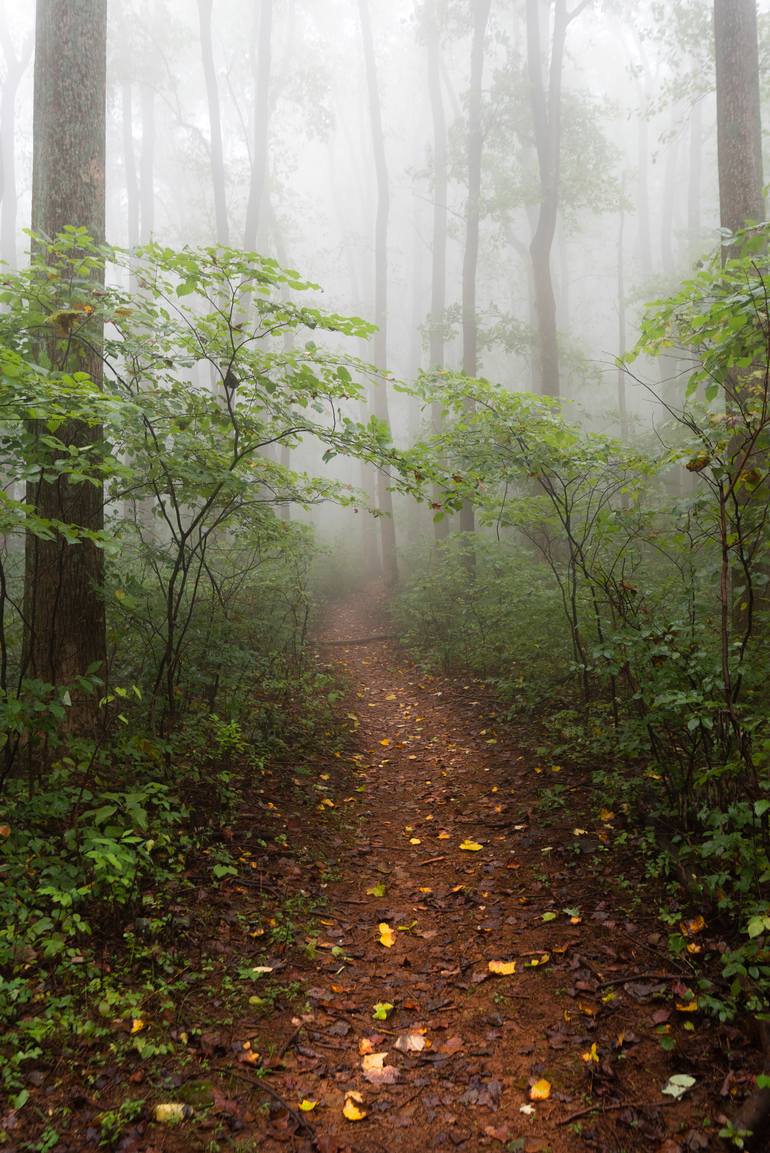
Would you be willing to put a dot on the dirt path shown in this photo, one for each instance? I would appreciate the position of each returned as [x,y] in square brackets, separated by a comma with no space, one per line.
[450,835]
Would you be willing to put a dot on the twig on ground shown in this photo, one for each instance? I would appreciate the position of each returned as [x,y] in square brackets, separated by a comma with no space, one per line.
[262,1084]
[615,1105]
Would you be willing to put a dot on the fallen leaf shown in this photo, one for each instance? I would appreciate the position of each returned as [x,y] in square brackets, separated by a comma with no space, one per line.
[606,815]
[543,959]
[502,968]
[443,836]
[382,1010]
[350,1109]
[387,936]
[411,1043]
[307,1106]
[687,1007]
[137,1025]
[171,1112]
[471,846]
[388,1075]
[373,1061]
[528,1109]
[377,890]
[540,1091]
[415,841]
[678,1085]
[591,1056]
[549,916]
[385,742]
[5,831]
[693,926]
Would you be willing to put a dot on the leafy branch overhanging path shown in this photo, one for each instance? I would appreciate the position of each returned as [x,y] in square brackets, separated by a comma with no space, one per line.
[484,979]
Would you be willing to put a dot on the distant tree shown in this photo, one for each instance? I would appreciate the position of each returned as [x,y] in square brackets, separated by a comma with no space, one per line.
[63,605]
[215,122]
[474,148]
[433,12]
[546,99]
[379,393]
[15,67]
[261,59]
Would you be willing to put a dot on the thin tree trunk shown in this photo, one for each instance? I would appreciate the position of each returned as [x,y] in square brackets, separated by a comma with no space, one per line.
[15,67]
[621,290]
[474,148]
[440,196]
[379,396]
[668,261]
[129,164]
[147,173]
[205,8]
[695,181]
[63,601]
[546,115]
[262,64]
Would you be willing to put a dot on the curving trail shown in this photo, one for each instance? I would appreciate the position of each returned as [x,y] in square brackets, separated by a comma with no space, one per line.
[463,1046]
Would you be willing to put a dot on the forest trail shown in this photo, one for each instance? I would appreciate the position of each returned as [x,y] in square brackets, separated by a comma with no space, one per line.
[447,825]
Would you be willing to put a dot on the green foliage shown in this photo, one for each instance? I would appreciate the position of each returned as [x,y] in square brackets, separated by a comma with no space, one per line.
[630,585]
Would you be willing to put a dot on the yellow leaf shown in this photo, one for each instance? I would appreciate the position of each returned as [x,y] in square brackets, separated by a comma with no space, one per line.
[689,1007]
[373,1061]
[391,697]
[325,776]
[591,1056]
[471,846]
[606,815]
[387,936]
[692,927]
[351,1109]
[415,841]
[425,889]
[443,836]
[540,1091]
[502,968]
[385,742]
[543,959]
[307,1106]
[137,1025]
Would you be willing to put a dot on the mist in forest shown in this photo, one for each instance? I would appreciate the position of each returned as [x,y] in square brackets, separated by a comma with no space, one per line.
[273,126]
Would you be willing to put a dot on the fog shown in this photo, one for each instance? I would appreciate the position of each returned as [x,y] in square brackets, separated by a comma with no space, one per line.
[287,90]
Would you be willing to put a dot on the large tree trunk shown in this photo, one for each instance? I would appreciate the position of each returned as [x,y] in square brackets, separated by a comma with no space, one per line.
[739,121]
[379,396]
[474,149]
[15,67]
[63,602]
[262,63]
[215,122]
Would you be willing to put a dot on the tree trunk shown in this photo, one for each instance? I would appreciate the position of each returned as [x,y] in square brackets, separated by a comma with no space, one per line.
[546,116]
[63,595]
[474,149]
[262,63]
[440,196]
[739,121]
[379,396]
[129,164]
[694,181]
[205,8]
[14,73]
[621,288]
[147,175]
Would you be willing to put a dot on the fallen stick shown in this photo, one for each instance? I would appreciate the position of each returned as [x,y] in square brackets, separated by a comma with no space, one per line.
[432,860]
[261,1083]
[614,1106]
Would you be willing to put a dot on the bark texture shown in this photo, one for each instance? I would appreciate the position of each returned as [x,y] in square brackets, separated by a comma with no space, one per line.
[739,122]
[63,601]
